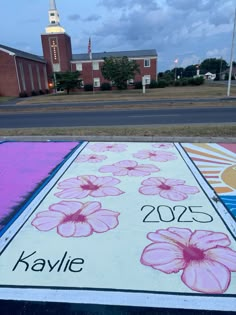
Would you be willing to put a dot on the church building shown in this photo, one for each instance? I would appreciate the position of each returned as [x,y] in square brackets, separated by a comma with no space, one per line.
[25,74]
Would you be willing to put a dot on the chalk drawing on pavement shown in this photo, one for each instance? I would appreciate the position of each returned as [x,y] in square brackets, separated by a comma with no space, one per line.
[217,163]
[126,224]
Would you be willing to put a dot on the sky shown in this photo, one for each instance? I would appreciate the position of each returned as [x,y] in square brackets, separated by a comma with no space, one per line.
[187,30]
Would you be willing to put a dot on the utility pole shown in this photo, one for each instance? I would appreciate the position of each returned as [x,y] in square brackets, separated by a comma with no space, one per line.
[231,58]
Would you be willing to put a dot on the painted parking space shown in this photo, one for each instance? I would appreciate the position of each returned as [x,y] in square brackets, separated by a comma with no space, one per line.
[217,163]
[125,224]
[24,167]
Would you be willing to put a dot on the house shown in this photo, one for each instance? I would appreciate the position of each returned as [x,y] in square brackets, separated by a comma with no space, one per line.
[26,74]
[209,76]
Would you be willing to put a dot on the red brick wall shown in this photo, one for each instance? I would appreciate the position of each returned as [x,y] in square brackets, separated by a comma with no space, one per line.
[86,73]
[152,70]
[63,50]
[8,79]
[28,85]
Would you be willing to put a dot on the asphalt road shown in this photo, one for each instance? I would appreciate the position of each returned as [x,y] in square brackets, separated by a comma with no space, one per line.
[120,117]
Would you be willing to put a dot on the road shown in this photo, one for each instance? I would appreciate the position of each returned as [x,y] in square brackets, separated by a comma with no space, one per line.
[120,117]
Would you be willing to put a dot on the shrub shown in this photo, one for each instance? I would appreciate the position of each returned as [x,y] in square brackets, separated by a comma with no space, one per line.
[106,86]
[153,84]
[41,92]
[197,81]
[162,84]
[23,94]
[34,93]
[184,82]
[177,83]
[138,85]
[88,87]
[47,91]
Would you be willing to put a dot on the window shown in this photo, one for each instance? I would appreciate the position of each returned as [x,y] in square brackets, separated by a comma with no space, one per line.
[53,22]
[95,65]
[147,63]
[52,14]
[96,82]
[79,66]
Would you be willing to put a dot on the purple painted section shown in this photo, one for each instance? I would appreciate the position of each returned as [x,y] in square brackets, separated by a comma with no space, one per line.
[23,165]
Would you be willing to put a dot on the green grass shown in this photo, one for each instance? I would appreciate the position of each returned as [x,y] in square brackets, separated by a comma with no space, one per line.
[4,99]
[170,131]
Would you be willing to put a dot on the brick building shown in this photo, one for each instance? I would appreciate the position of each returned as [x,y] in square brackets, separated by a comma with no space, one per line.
[24,73]
[21,73]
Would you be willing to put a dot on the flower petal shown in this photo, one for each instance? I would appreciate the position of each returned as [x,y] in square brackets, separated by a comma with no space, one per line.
[90,207]
[206,277]
[154,181]
[126,163]
[108,169]
[106,181]
[186,189]
[106,191]
[82,229]
[72,193]
[66,229]
[66,207]
[103,220]
[207,239]
[224,255]
[165,257]
[173,195]
[47,220]
[149,190]
[173,235]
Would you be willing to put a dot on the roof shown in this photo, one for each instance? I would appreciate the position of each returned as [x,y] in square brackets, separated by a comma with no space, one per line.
[22,54]
[129,54]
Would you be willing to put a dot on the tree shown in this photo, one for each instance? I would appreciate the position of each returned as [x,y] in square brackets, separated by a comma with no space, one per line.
[213,65]
[67,80]
[190,71]
[119,70]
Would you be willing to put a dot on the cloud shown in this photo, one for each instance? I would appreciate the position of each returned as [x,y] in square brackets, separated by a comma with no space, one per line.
[92,17]
[74,17]
[113,4]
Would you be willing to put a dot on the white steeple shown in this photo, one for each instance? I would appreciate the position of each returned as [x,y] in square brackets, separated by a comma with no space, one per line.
[53,5]
[54,19]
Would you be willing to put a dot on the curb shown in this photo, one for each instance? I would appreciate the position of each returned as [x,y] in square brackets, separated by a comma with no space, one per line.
[122,139]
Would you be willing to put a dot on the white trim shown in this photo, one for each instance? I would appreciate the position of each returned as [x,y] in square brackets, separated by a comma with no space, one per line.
[17,74]
[102,60]
[8,51]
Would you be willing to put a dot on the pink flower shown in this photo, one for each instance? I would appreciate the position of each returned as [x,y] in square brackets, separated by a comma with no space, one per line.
[159,156]
[172,189]
[130,168]
[103,147]
[76,219]
[88,185]
[163,145]
[204,257]
[90,158]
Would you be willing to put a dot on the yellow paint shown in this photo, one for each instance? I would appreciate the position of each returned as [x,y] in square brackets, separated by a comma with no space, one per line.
[229,176]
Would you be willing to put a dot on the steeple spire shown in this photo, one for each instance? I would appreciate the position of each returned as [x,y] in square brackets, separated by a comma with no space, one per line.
[53,5]
[54,19]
